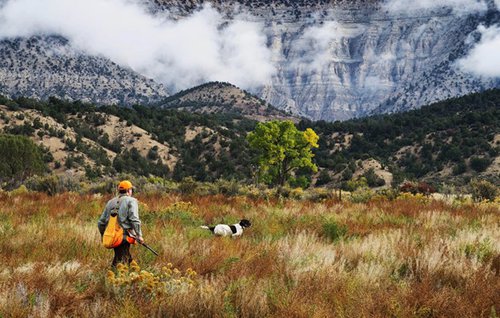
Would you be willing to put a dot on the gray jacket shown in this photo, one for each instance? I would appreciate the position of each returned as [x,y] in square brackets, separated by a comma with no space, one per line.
[128,214]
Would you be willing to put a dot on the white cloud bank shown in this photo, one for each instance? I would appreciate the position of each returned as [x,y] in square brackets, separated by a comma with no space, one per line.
[319,45]
[484,58]
[179,54]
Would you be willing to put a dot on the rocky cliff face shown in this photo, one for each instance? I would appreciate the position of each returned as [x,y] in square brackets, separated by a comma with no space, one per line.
[341,59]
[371,59]
[40,67]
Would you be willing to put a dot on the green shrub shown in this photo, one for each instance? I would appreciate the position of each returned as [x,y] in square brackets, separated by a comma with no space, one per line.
[482,251]
[483,190]
[182,212]
[188,186]
[320,194]
[228,187]
[159,188]
[21,190]
[300,181]
[297,194]
[479,164]
[254,192]
[459,168]
[283,192]
[333,230]
[390,194]
[323,178]
[361,195]
[20,158]
[206,188]
[354,184]
[53,184]
[106,186]
[372,179]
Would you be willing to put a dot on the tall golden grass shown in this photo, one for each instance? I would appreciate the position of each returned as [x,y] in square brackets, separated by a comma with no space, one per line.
[411,257]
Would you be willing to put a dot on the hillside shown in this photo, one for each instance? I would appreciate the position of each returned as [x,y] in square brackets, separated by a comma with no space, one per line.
[452,140]
[216,97]
[82,142]
[448,142]
[140,140]
[44,66]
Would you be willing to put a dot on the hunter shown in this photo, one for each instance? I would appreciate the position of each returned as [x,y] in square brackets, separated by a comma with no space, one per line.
[128,218]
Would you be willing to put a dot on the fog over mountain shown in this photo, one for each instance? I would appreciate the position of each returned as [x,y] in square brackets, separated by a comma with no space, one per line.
[324,60]
[482,59]
[179,53]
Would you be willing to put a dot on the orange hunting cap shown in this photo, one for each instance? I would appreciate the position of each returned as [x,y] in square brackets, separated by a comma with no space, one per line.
[125,185]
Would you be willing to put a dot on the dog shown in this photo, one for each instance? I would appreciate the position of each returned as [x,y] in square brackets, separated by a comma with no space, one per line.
[228,230]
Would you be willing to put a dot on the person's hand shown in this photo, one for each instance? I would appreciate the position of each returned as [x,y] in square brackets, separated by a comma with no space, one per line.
[140,239]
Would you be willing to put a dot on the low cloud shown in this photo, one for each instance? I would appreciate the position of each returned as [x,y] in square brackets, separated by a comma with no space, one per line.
[457,6]
[319,45]
[201,47]
[483,59]
[374,84]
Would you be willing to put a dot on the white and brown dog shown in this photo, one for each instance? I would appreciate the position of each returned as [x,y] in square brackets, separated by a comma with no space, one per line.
[228,230]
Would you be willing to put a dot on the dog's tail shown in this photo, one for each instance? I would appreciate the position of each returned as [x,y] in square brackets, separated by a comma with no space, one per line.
[210,228]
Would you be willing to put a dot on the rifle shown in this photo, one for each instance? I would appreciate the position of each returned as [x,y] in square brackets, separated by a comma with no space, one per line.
[142,243]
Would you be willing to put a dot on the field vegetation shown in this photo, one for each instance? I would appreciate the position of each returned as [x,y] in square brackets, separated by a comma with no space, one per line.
[309,255]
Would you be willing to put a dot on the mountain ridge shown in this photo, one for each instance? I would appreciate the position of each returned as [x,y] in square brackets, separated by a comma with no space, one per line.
[45,66]
[221,97]
[397,61]
[334,60]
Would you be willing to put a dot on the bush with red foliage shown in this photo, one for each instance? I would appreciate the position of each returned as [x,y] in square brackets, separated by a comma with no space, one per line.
[414,188]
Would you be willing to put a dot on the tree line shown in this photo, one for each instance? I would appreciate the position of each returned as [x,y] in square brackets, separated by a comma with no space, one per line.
[456,134]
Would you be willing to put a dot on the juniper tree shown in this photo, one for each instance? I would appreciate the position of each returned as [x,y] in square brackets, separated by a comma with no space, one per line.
[20,158]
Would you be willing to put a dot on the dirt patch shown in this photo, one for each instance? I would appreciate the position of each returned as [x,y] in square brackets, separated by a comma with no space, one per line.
[494,168]
[192,132]
[341,141]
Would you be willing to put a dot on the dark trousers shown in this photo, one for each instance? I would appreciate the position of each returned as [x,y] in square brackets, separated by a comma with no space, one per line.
[122,254]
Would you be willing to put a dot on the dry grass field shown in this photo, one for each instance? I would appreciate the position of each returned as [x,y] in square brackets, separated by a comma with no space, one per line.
[410,257]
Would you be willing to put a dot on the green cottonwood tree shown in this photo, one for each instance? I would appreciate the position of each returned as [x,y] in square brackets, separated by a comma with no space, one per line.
[282,148]
[20,158]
